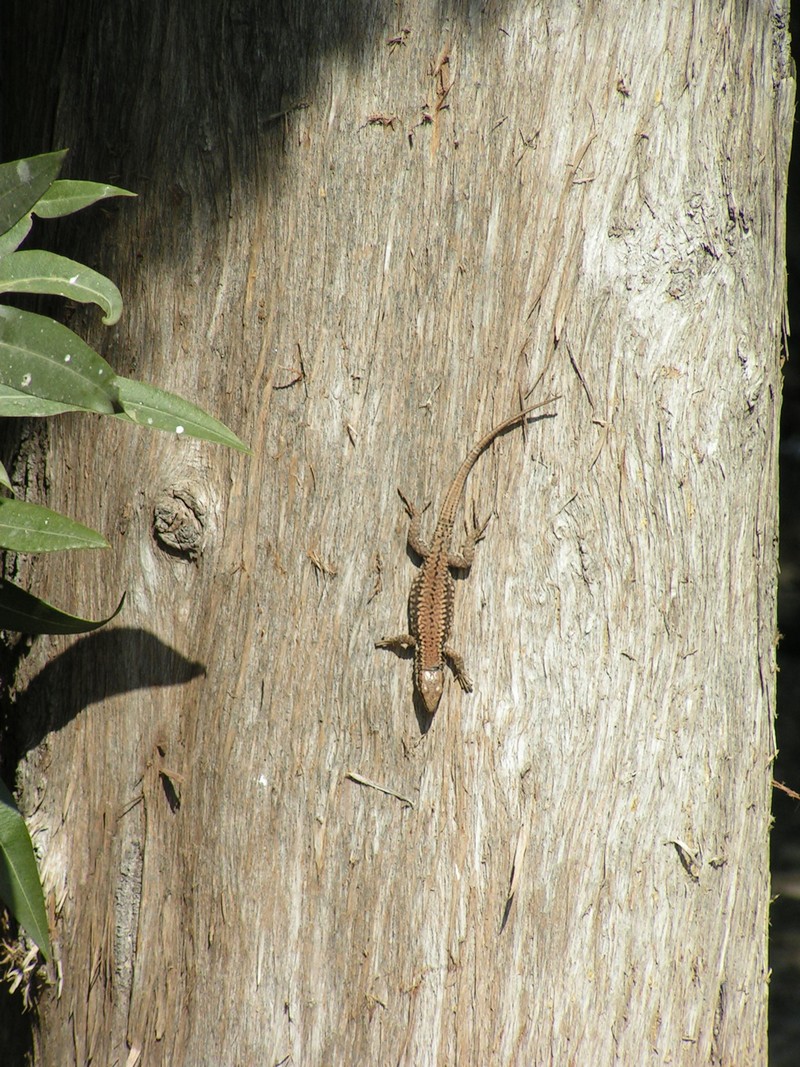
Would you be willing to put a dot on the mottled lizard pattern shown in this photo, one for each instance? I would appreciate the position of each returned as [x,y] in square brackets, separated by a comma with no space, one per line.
[430,603]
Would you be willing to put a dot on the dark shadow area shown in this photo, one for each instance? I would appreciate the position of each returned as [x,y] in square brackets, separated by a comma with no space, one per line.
[784,1003]
[16,1037]
[208,69]
[98,666]
[202,91]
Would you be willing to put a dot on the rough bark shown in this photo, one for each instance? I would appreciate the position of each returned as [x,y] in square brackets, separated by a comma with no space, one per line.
[591,198]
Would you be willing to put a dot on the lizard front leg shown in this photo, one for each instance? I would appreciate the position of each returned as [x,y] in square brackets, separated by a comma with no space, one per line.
[456,665]
[399,643]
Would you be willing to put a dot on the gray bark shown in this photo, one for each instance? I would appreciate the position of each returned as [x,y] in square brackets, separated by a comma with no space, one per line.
[585,199]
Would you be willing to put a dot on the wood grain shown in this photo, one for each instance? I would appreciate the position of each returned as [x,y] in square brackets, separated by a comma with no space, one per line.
[591,197]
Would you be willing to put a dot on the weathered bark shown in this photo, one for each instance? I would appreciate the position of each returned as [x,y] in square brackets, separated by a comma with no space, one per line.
[590,198]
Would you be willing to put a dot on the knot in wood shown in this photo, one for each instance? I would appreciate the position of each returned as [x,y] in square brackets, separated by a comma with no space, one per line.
[179,523]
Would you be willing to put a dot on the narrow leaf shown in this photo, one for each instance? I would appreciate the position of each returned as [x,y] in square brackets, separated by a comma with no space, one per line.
[20,887]
[41,357]
[17,405]
[4,478]
[24,613]
[45,272]
[13,238]
[23,182]
[148,406]
[26,527]
[66,197]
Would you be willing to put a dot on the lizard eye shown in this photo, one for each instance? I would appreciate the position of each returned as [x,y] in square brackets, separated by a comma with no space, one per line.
[431,685]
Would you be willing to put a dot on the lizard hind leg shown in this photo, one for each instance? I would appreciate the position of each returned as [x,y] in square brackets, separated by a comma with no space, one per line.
[463,560]
[415,542]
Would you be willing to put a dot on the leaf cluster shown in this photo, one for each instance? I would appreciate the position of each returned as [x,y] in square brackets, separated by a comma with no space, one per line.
[47,369]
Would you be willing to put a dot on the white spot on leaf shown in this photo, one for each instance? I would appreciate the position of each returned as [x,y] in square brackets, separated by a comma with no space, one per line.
[178,429]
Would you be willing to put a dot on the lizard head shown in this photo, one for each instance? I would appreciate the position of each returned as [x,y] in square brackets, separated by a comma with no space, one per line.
[431,685]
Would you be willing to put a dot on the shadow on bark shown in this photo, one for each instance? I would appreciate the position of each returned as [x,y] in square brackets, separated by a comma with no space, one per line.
[98,666]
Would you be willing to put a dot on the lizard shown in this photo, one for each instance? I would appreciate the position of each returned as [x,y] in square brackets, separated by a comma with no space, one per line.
[430,602]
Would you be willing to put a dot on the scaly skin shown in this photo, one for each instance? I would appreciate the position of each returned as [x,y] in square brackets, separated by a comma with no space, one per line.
[430,603]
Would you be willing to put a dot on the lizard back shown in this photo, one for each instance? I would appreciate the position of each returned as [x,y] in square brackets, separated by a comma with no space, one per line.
[433,591]
[430,602]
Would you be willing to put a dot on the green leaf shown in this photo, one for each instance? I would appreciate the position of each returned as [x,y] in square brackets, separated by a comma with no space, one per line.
[17,405]
[20,887]
[41,357]
[26,614]
[23,182]
[4,478]
[45,272]
[13,238]
[26,527]
[66,197]
[148,406]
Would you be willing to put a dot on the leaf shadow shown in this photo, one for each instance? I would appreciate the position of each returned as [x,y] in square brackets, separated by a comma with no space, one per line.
[97,666]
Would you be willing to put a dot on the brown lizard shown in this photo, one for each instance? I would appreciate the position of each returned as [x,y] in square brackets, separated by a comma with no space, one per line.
[430,603]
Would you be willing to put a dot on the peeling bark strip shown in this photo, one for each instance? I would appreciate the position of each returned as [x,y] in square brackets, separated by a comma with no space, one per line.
[596,190]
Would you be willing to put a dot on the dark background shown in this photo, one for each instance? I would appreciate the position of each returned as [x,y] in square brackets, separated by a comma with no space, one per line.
[784,1009]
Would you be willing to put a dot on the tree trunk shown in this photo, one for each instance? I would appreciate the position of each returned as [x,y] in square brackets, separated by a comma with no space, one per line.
[361,235]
